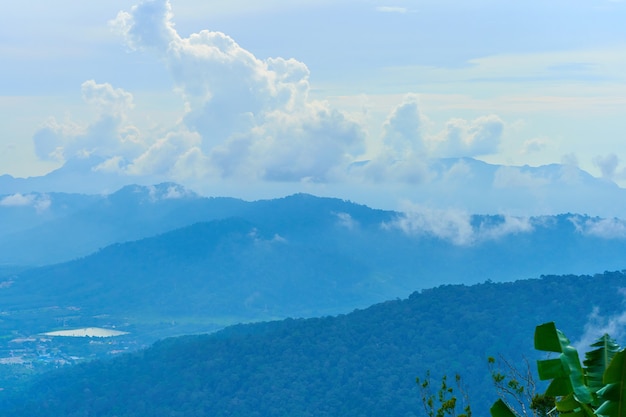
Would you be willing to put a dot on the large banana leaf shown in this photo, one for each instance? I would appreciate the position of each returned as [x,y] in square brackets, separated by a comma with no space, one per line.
[596,363]
[566,372]
[614,392]
[500,409]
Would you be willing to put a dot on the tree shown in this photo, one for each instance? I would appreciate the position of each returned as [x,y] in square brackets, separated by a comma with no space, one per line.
[516,387]
[596,387]
[445,401]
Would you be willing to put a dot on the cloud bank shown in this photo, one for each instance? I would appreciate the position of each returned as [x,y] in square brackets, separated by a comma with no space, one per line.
[40,202]
[456,226]
[250,119]
[603,228]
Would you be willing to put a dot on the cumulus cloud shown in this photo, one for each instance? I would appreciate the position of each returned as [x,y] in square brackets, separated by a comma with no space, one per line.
[40,202]
[249,118]
[603,228]
[161,156]
[407,144]
[481,136]
[608,165]
[534,145]
[253,117]
[108,100]
[108,136]
[403,128]
[405,132]
[457,226]
[402,155]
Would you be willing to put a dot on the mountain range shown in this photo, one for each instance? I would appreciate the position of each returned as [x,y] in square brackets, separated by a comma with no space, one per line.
[160,260]
[461,183]
[170,256]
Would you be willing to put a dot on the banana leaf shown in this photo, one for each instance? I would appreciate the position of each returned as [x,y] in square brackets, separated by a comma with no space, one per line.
[597,362]
[566,372]
[614,392]
[500,409]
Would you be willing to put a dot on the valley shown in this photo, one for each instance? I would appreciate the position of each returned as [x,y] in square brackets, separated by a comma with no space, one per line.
[315,280]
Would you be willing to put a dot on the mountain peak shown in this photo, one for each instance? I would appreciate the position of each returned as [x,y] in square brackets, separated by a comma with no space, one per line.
[153,193]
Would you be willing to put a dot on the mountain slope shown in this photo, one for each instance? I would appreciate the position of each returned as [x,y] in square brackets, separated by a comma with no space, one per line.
[299,256]
[71,226]
[362,363]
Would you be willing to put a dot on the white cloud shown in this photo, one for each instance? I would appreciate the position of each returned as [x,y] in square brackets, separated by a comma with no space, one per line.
[39,202]
[106,99]
[603,228]
[481,136]
[597,326]
[253,117]
[452,225]
[406,130]
[392,9]
[160,157]
[407,143]
[460,170]
[507,177]
[403,128]
[17,200]
[109,135]
[148,25]
[457,226]
[608,165]
[508,225]
[346,220]
[172,192]
[534,145]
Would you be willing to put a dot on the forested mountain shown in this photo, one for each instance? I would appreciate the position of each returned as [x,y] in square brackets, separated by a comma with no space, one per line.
[46,228]
[359,364]
[299,256]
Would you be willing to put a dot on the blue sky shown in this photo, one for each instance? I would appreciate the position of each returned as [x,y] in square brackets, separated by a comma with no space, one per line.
[274,92]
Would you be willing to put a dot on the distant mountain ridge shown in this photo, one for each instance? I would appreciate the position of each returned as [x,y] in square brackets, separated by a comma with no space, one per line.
[67,226]
[466,183]
[298,256]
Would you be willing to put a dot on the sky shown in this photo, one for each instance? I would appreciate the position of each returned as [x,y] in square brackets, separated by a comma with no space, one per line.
[354,94]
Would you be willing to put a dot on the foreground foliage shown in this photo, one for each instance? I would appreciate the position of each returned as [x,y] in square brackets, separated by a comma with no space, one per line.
[597,387]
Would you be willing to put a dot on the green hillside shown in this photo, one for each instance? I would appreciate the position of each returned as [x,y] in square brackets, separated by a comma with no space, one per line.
[359,364]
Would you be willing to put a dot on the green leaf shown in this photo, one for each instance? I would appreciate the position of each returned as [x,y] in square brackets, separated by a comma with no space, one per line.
[547,338]
[550,369]
[500,409]
[566,371]
[597,362]
[614,392]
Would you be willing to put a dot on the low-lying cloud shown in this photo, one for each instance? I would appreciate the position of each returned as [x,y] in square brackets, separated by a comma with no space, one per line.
[603,228]
[40,202]
[598,325]
[457,226]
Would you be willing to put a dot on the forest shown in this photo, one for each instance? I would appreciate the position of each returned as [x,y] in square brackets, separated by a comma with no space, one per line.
[359,364]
